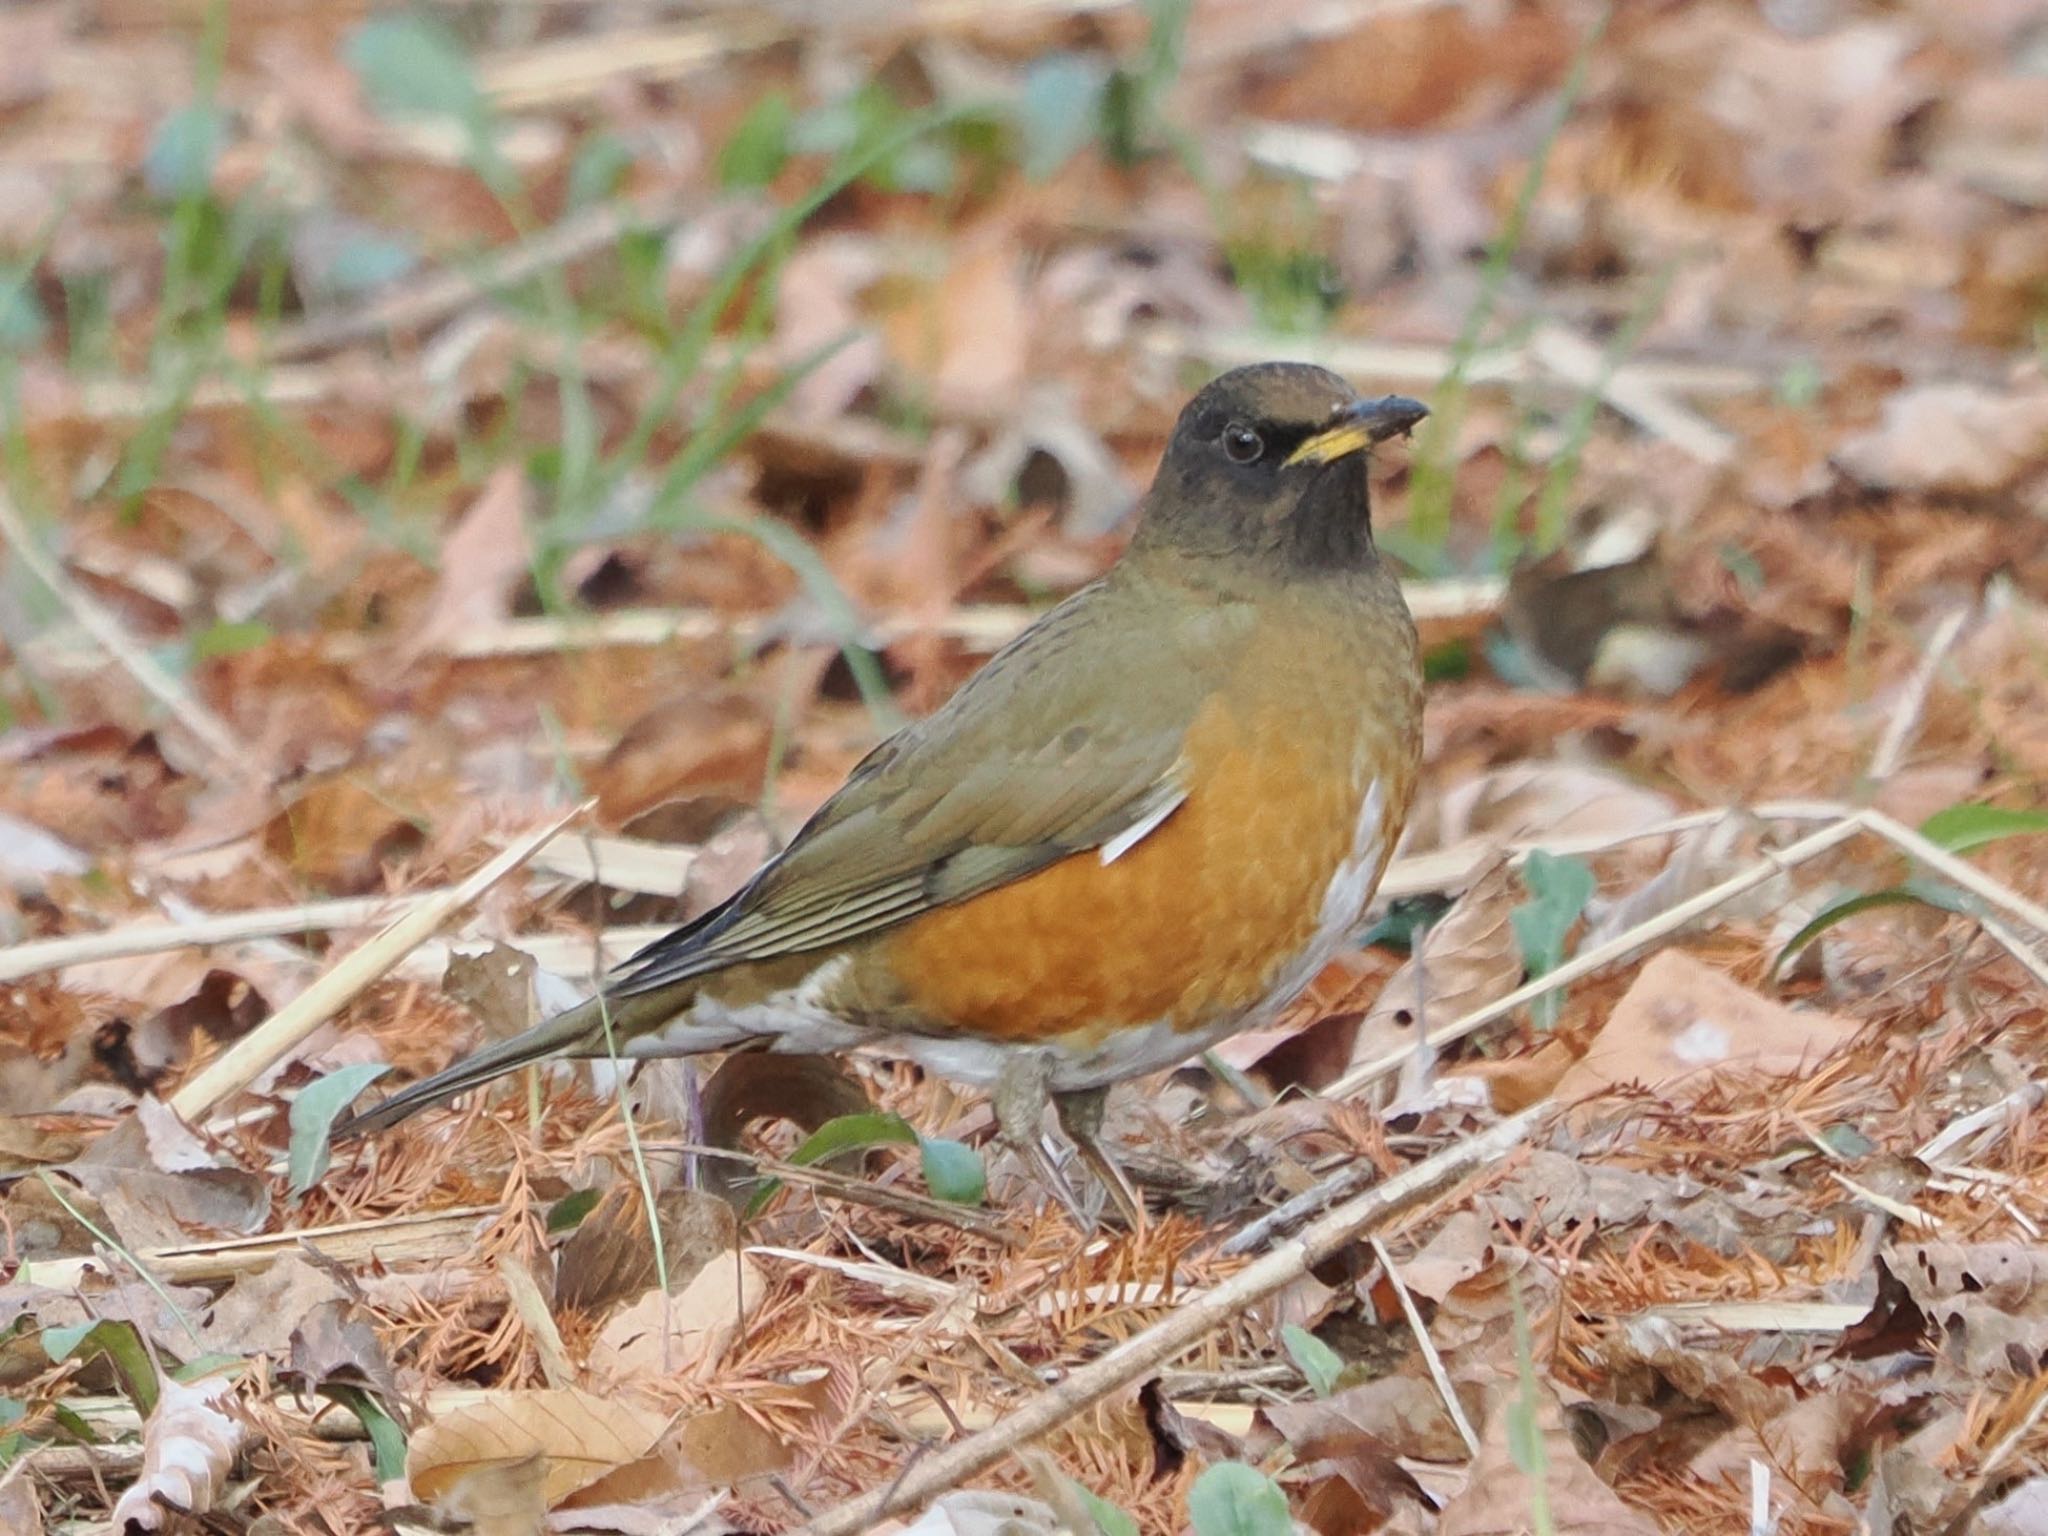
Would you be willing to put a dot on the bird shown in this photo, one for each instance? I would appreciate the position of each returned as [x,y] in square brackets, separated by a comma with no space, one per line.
[1144,825]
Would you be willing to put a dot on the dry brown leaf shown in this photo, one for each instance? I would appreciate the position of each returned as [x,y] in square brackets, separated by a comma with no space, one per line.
[1497,1500]
[499,1498]
[483,563]
[1682,1022]
[1539,800]
[662,1336]
[1812,1444]
[578,1437]
[261,1313]
[610,1254]
[21,1511]
[336,1345]
[1990,1299]
[188,1449]
[1960,439]
[340,836]
[1467,960]
[1403,1412]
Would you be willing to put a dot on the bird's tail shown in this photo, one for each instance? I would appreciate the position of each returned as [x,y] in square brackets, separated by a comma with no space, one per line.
[580,1031]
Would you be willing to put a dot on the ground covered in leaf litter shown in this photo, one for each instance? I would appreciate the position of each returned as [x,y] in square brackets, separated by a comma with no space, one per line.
[370,551]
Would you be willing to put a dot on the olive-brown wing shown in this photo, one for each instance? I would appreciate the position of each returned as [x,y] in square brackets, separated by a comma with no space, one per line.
[1069,739]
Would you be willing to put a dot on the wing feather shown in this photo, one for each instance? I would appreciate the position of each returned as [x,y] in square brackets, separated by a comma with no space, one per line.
[1047,752]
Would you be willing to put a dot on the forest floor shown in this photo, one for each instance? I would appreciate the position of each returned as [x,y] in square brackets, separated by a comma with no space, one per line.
[425,430]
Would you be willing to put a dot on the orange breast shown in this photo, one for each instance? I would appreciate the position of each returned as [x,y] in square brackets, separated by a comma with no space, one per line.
[1191,924]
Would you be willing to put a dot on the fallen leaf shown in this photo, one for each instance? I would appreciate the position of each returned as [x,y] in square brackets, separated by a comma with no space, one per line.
[505,1497]
[610,1254]
[262,1312]
[334,1347]
[340,836]
[1468,959]
[1958,439]
[21,1511]
[1989,1299]
[1812,1443]
[1403,1412]
[188,1449]
[1542,800]
[1682,1023]
[577,1436]
[662,1336]
[484,561]
[1497,1498]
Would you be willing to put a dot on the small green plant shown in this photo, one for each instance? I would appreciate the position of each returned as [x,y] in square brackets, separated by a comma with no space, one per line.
[1232,1499]
[1431,487]
[1320,1365]
[1559,889]
[1957,829]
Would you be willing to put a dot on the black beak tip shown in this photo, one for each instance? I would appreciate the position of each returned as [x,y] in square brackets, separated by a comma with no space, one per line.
[1391,416]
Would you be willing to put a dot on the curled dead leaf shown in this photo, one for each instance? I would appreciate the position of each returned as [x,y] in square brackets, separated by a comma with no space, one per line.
[188,1449]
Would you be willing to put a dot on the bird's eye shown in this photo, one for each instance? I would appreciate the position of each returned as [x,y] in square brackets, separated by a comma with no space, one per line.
[1242,443]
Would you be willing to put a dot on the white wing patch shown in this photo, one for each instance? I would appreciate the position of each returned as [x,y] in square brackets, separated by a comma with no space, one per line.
[1143,827]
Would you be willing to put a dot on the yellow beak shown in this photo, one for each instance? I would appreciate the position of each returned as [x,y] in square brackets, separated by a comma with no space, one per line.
[1357,427]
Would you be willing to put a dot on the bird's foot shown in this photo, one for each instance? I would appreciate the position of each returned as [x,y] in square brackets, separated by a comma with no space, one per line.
[1081,1118]
[1019,1099]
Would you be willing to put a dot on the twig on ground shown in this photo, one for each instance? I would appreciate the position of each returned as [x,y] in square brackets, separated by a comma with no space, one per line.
[1089,1384]
[256,1051]
[1644,401]
[230,753]
[423,1236]
[1430,1357]
[2001,1113]
[157,937]
[1905,720]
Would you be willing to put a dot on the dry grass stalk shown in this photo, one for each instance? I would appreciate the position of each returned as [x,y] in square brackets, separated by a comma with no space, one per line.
[263,1046]
[427,1237]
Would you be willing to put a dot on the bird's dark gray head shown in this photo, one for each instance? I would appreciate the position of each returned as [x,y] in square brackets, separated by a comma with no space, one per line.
[1269,462]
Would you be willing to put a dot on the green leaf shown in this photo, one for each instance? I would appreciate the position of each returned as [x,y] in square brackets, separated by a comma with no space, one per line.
[598,170]
[368,260]
[854,1133]
[1059,110]
[842,1134]
[120,1343]
[182,152]
[1963,827]
[1319,1364]
[411,67]
[759,147]
[314,1112]
[567,1213]
[229,637]
[1559,889]
[387,1437]
[23,325]
[1109,1520]
[953,1171]
[1917,893]
[1406,922]
[1232,1499]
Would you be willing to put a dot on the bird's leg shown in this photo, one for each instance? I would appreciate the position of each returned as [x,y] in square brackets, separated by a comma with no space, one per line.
[1081,1118]
[1019,1099]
